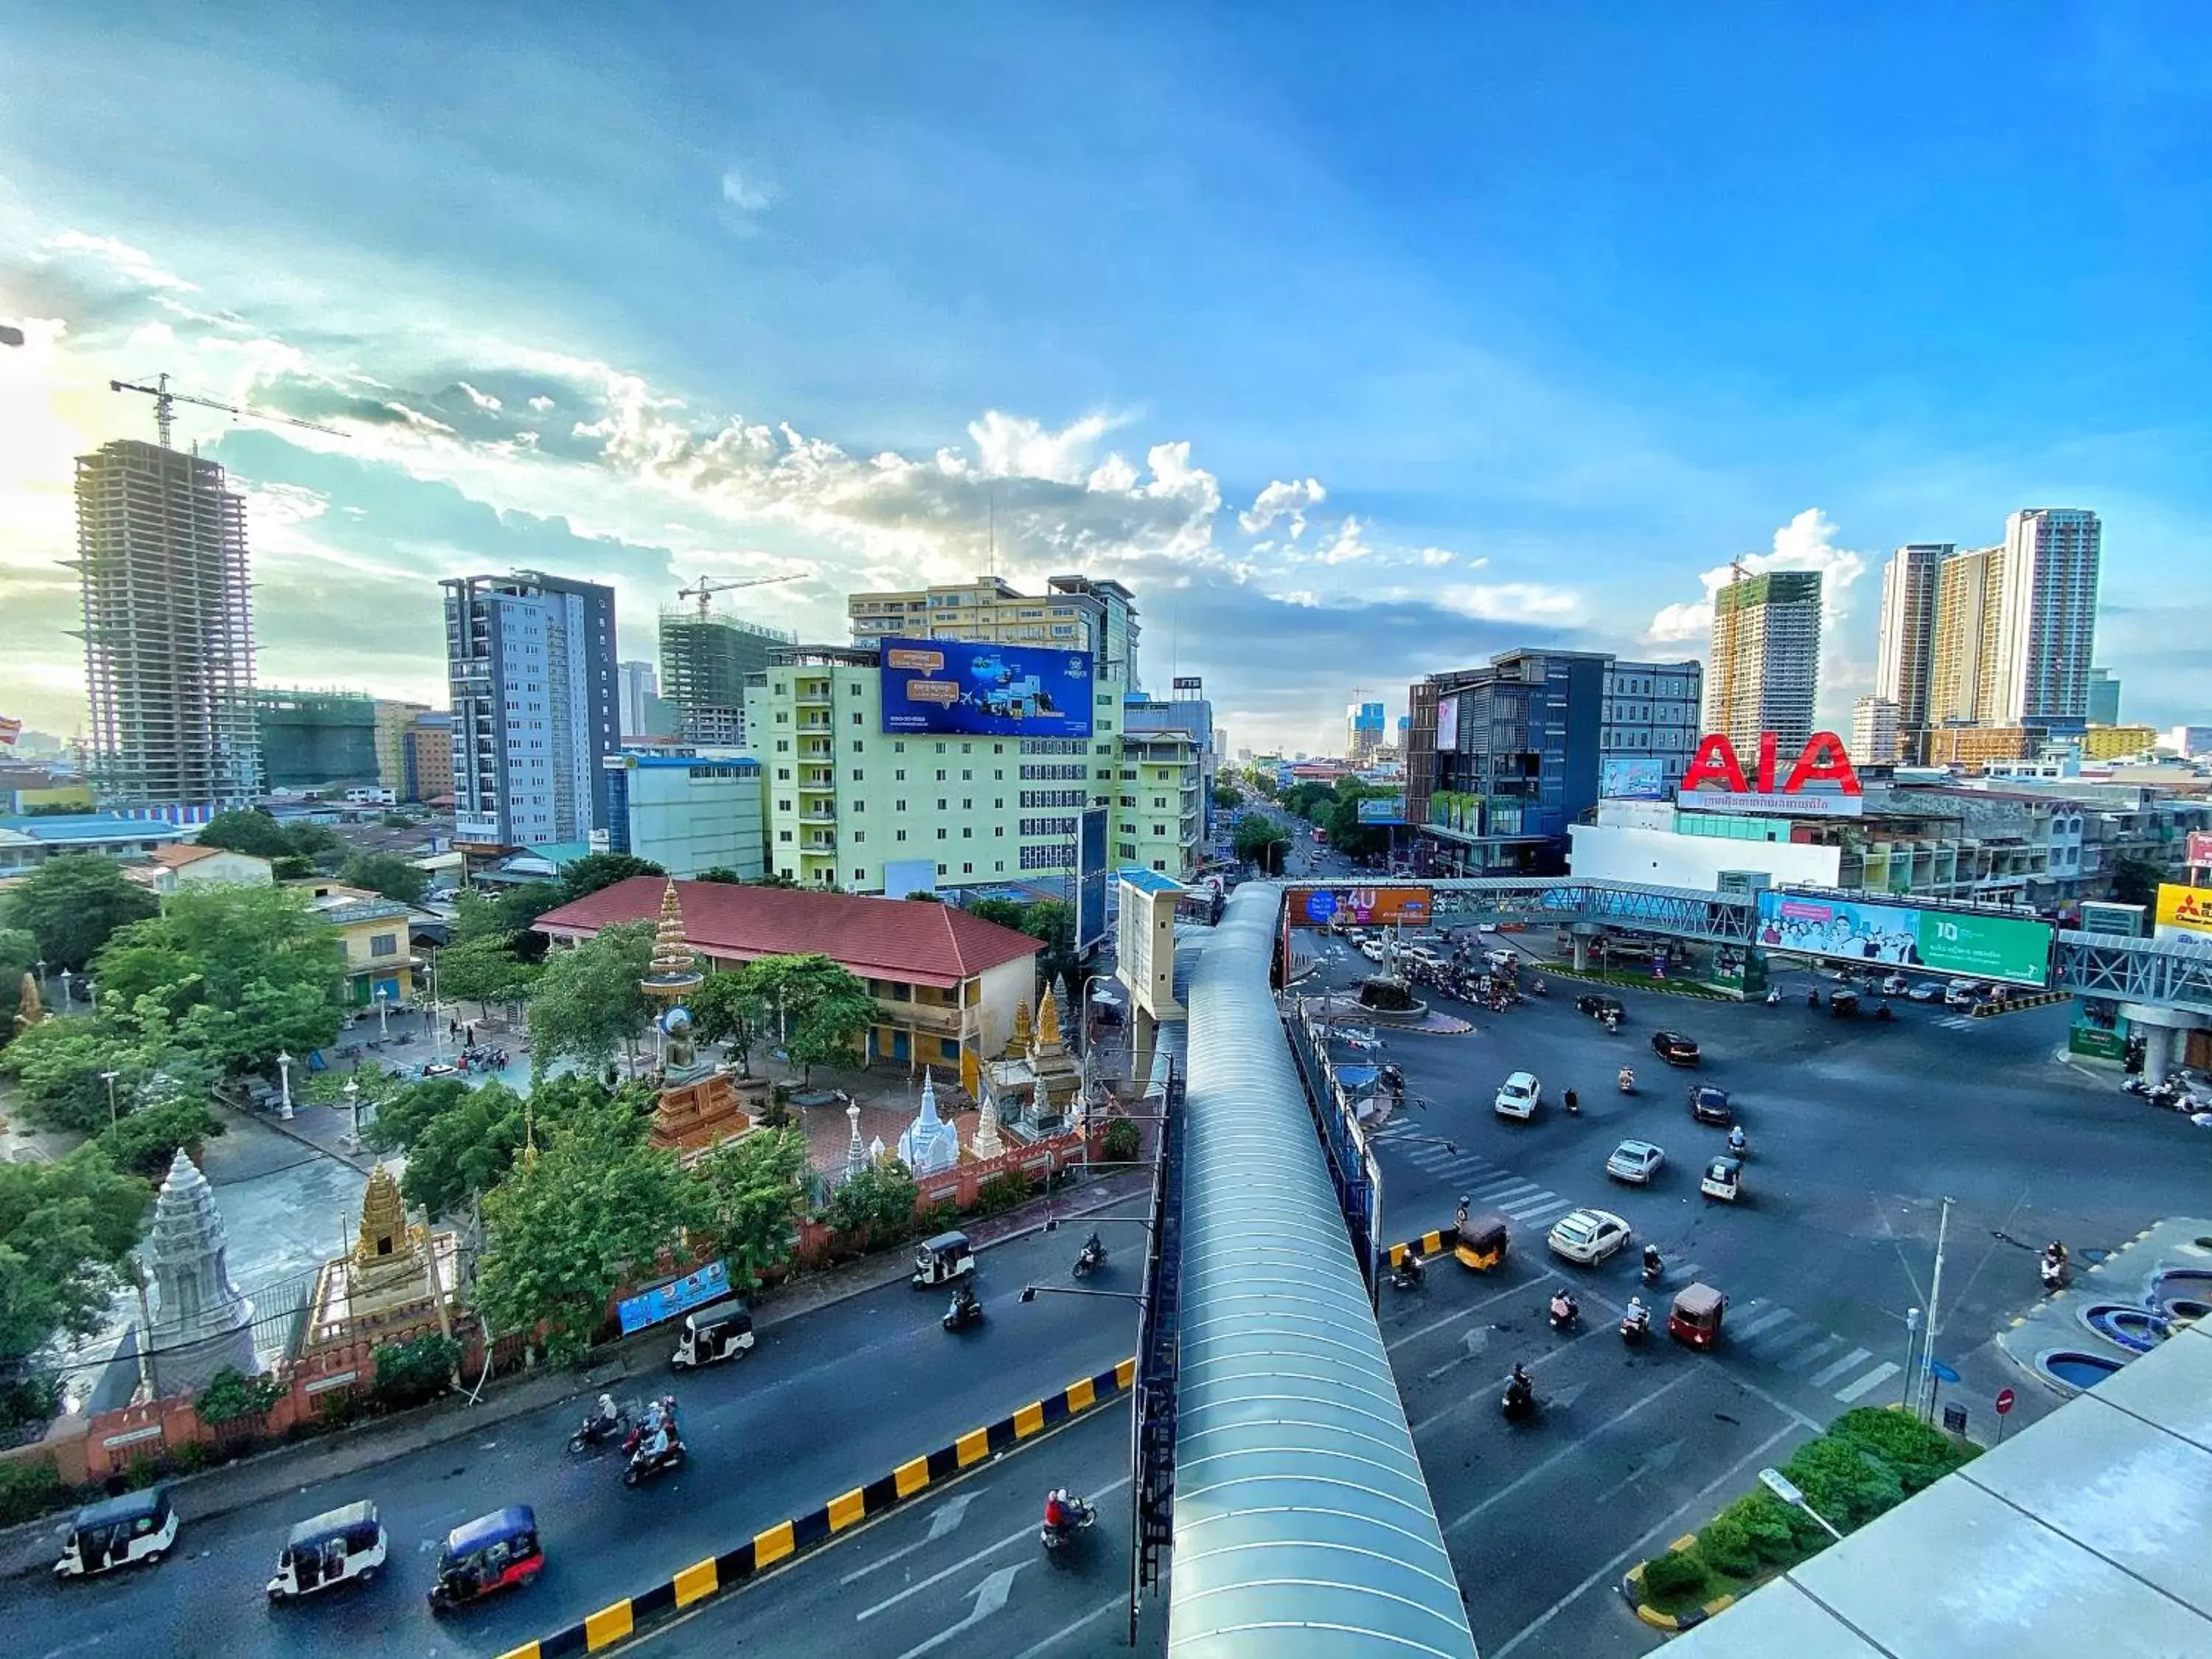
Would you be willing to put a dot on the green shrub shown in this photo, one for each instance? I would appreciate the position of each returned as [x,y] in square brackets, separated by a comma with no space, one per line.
[1002,1192]
[1726,1543]
[1674,1573]
[194,1456]
[140,1473]
[1772,1526]
[1122,1143]
[335,1407]
[409,1373]
[1919,1455]
[231,1395]
[1842,1482]
[28,1491]
[28,1401]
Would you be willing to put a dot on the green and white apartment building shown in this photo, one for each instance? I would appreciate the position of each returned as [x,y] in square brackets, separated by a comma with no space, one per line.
[850,805]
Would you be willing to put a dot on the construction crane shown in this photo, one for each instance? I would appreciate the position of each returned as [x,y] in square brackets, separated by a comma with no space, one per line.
[705,590]
[166,402]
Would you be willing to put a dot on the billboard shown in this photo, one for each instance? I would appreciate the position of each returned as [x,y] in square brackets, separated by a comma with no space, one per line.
[2186,911]
[1447,724]
[665,1301]
[970,687]
[1981,944]
[1089,878]
[2199,854]
[1632,777]
[1364,905]
[1382,808]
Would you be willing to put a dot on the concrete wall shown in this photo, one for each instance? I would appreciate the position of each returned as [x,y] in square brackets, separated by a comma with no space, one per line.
[1659,858]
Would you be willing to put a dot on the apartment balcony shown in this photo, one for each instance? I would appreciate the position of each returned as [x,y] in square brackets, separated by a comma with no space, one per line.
[817,815]
[811,693]
[824,784]
[816,723]
[820,843]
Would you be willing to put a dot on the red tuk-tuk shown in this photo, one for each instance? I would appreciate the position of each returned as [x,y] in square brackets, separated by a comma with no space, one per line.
[489,1554]
[1696,1318]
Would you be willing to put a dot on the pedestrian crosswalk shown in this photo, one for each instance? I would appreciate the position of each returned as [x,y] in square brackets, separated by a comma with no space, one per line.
[1768,1332]
[1959,1023]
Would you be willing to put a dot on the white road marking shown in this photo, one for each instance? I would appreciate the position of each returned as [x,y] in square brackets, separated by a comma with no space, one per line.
[1467,1312]
[1496,1191]
[1858,1357]
[1798,1362]
[1873,1379]
[1067,1630]
[947,1517]
[1765,1321]
[1565,1452]
[990,1595]
[1524,1208]
[1029,1530]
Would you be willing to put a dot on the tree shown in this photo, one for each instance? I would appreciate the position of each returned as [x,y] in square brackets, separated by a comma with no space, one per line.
[60,1066]
[875,1204]
[65,1229]
[249,831]
[587,1003]
[71,904]
[588,874]
[1225,797]
[722,875]
[402,1120]
[825,1010]
[730,1009]
[2136,881]
[238,973]
[505,914]
[570,1226]
[146,1142]
[748,1195]
[387,873]
[471,1147]
[775,878]
[1261,842]
[485,970]
[291,868]
[1346,833]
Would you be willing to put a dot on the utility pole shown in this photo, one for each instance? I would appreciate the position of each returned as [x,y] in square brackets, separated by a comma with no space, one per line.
[1924,1398]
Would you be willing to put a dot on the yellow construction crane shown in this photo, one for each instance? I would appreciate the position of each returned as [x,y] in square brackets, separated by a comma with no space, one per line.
[166,402]
[705,590]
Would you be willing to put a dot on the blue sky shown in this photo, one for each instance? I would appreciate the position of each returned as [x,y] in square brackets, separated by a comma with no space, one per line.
[1361,341]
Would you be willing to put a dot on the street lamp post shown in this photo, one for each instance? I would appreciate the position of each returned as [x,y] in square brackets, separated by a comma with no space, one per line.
[383,1020]
[65,990]
[437,1043]
[284,1087]
[1781,1486]
[43,991]
[353,1107]
[109,1078]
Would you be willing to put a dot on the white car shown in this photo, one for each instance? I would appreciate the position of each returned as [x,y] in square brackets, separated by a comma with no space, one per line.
[1588,1236]
[1372,949]
[1520,1097]
[1635,1161]
[1964,992]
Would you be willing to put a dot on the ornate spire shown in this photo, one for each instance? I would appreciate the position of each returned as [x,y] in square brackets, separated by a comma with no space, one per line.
[929,1144]
[203,1324]
[674,969]
[856,1155]
[383,1221]
[987,1143]
[1047,1034]
[1020,1044]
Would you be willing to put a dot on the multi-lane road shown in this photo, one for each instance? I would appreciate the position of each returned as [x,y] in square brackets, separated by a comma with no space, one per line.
[824,1404]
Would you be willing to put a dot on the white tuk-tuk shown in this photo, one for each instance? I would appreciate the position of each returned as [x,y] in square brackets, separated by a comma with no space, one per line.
[941,1260]
[328,1549]
[716,1332]
[139,1526]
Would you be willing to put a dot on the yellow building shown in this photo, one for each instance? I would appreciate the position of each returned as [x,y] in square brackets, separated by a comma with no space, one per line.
[1970,746]
[2102,742]
[375,934]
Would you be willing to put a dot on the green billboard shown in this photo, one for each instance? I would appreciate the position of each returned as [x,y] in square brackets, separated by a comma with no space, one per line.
[1978,944]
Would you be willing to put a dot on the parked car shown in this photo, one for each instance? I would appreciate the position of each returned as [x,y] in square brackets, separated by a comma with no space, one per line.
[1635,1161]
[1710,1105]
[1520,1097]
[1674,1048]
[1589,1236]
[1598,1006]
[1372,949]
[1964,992]
[1926,990]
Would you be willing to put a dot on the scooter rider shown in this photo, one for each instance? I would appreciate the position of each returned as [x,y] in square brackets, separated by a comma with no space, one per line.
[1637,1319]
[1565,1309]
[1574,1104]
[1407,1274]
[1519,1392]
[1652,1267]
[1813,997]
[608,1416]
[1627,1080]
[1736,1142]
[965,1306]
[1773,998]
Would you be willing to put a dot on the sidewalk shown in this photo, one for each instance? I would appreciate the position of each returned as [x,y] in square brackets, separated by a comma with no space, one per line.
[29,1549]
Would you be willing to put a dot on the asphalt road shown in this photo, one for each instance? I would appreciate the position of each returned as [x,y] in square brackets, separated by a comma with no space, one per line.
[822,1404]
[959,1572]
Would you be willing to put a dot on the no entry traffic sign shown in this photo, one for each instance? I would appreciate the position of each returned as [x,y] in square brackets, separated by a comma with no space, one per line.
[2005,1398]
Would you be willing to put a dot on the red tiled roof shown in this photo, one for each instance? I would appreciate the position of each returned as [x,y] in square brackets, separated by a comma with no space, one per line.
[923,943]
[183,853]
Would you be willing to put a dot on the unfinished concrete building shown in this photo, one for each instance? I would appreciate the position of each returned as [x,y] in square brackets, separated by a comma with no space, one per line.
[705,657]
[168,632]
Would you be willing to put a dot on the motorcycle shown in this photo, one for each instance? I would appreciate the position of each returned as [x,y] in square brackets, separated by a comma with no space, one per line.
[1654,1269]
[1574,1104]
[1612,1025]
[2054,1273]
[965,1310]
[654,1456]
[1881,1009]
[1635,1326]
[1774,999]
[1074,1516]
[1409,1273]
[1520,1399]
[1813,998]
[597,1431]
[1537,987]
[1093,1255]
[1566,1314]
[1627,1081]
[1738,1143]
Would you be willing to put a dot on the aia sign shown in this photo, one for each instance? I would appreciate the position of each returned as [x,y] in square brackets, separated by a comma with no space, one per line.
[1821,760]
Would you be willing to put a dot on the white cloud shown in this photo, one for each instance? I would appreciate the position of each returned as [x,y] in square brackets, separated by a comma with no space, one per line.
[1805,543]
[541,405]
[1009,446]
[747,194]
[134,263]
[1283,499]
[1512,602]
[1434,556]
[483,400]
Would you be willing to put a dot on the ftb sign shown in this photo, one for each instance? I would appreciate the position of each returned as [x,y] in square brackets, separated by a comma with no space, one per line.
[1822,761]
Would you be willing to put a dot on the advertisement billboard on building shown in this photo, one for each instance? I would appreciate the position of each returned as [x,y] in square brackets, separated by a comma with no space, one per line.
[1366,906]
[1447,724]
[1980,944]
[1382,808]
[988,691]
[1091,878]
[2186,911]
[1631,777]
[2199,854]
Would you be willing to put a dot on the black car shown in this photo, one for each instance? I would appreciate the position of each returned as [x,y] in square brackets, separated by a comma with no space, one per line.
[1674,1048]
[1599,1007]
[1710,1105]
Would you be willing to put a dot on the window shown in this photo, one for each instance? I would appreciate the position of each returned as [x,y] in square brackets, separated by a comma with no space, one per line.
[940,775]
[1000,866]
[783,835]
[941,834]
[966,869]
[967,748]
[860,834]
[856,717]
[898,835]
[860,874]
[859,748]
[859,806]
[942,871]
[941,803]
[898,749]
[783,717]
[783,806]
[941,748]
[783,775]
[1159,803]
[384,945]
[1160,864]
[998,774]
[859,776]
[898,775]
[898,807]
[967,833]
[967,804]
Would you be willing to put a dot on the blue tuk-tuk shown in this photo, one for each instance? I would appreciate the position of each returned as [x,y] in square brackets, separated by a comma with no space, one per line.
[493,1552]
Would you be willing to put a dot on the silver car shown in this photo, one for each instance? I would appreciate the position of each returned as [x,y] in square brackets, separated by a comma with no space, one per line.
[1635,1161]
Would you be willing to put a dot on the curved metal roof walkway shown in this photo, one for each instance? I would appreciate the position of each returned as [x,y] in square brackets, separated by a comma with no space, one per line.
[1303,1526]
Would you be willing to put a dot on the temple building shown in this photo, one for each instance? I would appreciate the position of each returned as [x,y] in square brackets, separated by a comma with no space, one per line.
[201,1323]
[1035,1087]
[699,1105]
[398,1281]
[929,1144]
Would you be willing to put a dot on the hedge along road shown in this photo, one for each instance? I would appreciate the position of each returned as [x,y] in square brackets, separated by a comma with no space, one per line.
[825,1402]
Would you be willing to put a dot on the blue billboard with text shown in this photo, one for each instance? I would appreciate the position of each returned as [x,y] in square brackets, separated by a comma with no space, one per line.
[1091,879]
[968,687]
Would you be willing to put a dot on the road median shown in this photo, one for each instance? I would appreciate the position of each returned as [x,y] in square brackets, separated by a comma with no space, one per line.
[790,1539]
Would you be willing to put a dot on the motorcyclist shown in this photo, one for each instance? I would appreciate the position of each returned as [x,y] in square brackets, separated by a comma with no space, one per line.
[1652,1263]
[1773,999]
[1881,1009]
[1410,1268]
[1519,1392]
[963,1307]
[608,1415]
[1736,1142]
[1564,1307]
[1627,1079]
[1639,1317]
[1459,1221]
[1574,1104]
[1813,998]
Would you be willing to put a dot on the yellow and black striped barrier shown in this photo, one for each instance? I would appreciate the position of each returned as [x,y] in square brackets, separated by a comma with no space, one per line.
[1428,1244]
[780,1543]
[2013,1004]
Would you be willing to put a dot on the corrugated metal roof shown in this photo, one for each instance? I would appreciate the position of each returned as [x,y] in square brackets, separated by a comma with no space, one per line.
[1303,1523]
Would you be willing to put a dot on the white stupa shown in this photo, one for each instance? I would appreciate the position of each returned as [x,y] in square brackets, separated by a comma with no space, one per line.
[201,1323]
[929,1144]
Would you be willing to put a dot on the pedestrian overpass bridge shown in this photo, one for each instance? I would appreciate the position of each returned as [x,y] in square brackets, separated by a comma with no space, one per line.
[1303,1521]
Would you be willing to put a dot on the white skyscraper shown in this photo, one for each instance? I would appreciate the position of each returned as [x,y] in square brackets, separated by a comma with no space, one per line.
[1905,661]
[1873,731]
[2046,622]
[640,689]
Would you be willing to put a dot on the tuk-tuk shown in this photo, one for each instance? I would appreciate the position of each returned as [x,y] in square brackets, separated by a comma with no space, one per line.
[1696,1319]
[1843,1005]
[1481,1244]
[941,1260]
[328,1549]
[1722,1177]
[713,1332]
[139,1526]
[490,1553]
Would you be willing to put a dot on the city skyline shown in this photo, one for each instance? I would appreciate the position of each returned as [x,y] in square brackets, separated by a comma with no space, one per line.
[862,350]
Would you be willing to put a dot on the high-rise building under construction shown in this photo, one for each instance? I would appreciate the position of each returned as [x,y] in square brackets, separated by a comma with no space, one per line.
[168,632]
[704,659]
[1764,674]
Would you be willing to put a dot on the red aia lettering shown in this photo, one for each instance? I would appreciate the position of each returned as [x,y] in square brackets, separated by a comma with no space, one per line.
[1822,759]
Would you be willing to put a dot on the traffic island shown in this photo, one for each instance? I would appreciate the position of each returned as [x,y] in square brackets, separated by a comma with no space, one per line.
[1869,1461]
[788,1540]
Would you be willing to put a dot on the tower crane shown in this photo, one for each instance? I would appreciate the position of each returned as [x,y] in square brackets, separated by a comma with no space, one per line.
[705,590]
[166,402]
